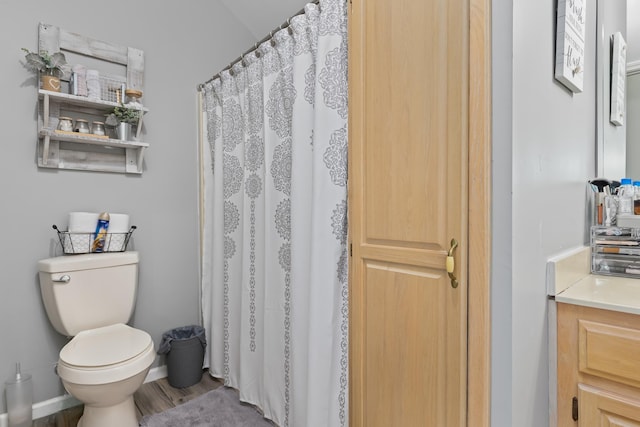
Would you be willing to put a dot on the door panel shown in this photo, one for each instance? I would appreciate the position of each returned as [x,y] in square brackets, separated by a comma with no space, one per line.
[402,338]
[403,86]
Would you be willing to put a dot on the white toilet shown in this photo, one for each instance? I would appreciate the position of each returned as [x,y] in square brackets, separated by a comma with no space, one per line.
[91,298]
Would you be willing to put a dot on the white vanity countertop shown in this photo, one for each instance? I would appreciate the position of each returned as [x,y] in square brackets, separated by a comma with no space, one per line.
[570,281]
[606,292]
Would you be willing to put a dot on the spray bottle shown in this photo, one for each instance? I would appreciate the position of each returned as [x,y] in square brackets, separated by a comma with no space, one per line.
[20,399]
[101,233]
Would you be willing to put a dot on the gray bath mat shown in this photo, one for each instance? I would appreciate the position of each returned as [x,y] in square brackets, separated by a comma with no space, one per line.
[218,408]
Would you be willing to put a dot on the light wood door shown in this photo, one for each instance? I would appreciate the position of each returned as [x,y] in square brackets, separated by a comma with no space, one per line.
[600,408]
[408,198]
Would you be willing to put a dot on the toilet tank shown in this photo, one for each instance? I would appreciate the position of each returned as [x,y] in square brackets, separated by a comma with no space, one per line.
[88,291]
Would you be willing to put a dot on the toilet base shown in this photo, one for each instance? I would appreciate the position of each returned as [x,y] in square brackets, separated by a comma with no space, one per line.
[122,414]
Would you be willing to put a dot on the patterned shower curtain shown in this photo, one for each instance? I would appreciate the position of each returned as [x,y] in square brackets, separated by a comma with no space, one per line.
[274,263]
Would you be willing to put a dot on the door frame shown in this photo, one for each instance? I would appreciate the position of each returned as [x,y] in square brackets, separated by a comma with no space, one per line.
[479,280]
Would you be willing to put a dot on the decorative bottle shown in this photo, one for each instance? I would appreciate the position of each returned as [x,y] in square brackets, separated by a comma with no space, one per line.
[101,233]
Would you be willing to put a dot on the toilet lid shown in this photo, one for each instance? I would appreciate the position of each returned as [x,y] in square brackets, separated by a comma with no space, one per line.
[105,346]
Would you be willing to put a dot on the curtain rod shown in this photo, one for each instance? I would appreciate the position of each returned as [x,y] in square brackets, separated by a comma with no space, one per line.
[282,26]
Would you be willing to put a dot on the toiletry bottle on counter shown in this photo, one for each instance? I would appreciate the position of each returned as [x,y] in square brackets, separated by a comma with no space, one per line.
[625,197]
[636,198]
[101,233]
[19,392]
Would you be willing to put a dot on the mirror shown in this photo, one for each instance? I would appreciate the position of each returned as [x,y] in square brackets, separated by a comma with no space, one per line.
[633,89]
[611,139]
[618,147]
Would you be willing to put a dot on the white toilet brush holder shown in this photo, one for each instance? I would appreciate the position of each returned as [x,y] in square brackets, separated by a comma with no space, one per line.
[20,399]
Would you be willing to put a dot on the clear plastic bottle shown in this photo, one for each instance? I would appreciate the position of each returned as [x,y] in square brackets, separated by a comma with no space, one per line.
[625,197]
[636,197]
[20,399]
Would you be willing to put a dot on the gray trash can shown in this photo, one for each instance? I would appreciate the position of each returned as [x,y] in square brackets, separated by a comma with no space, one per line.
[184,349]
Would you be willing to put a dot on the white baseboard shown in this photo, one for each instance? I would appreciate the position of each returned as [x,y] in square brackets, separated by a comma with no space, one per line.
[156,374]
[60,403]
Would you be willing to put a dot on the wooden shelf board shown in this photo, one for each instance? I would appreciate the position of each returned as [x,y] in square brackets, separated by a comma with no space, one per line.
[81,101]
[75,137]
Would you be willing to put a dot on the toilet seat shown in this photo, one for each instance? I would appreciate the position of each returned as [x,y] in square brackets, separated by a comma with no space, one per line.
[107,354]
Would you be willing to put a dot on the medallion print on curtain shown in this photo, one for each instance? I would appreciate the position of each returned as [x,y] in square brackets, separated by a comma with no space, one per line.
[274,283]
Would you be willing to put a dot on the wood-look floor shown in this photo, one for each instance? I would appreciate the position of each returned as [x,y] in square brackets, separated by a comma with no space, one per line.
[151,398]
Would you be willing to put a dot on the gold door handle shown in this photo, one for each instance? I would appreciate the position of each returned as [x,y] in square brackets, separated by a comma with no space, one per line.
[451,263]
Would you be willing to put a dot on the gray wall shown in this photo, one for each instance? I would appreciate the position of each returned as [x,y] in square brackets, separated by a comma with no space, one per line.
[633,30]
[184,44]
[501,262]
[544,152]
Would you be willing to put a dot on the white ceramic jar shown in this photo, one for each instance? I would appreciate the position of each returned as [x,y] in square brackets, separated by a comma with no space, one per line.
[65,124]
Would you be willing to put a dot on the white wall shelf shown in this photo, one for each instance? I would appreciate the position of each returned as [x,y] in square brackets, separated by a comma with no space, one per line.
[85,151]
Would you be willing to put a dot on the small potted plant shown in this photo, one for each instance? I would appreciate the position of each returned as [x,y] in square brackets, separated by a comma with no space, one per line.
[48,65]
[123,118]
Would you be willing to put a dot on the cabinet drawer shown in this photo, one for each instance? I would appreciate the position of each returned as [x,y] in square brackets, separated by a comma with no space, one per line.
[608,351]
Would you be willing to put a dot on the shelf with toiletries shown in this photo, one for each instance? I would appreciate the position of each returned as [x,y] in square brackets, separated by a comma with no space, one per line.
[93,232]
[74,243]
[92,143]
[127,156]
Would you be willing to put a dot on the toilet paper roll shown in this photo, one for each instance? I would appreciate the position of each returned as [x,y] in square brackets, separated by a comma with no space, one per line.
[82,222]
[118,223]
[117,237]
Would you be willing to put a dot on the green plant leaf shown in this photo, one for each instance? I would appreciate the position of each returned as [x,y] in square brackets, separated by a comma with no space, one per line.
[35,61]
[45,63]
[58,60]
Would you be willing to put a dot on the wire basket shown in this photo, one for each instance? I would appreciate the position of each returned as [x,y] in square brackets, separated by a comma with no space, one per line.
[111,87]
[82,243]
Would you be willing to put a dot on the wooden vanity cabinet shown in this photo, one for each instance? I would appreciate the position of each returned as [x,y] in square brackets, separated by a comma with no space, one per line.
[598,367]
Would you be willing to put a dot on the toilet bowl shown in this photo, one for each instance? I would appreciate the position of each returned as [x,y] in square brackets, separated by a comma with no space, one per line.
[91,298]
[103,367]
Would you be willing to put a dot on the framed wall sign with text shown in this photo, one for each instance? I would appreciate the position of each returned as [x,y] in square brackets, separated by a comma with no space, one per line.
[618,79]
[570,44]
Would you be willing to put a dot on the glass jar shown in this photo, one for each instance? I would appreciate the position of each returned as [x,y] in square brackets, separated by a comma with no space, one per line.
[65,124]
[133,96]
[97,128]
[82,126]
